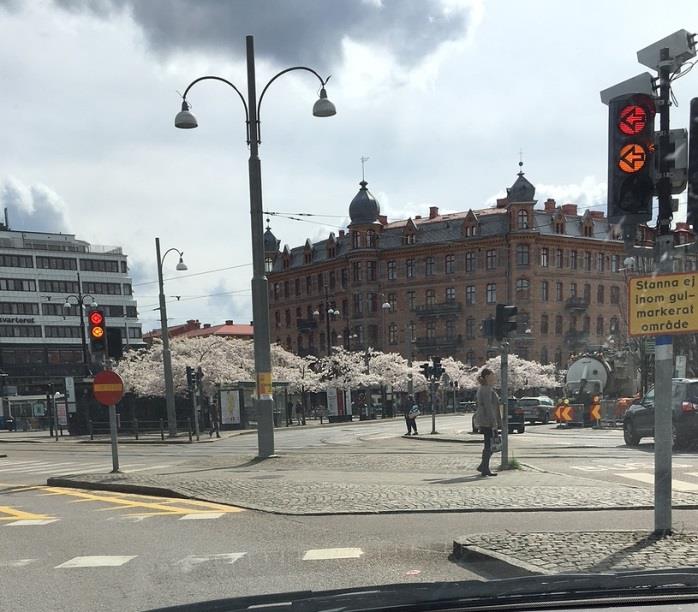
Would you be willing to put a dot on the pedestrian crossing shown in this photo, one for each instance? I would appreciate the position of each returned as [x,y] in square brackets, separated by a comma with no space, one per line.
[64,468]
[185,564]
[677,484]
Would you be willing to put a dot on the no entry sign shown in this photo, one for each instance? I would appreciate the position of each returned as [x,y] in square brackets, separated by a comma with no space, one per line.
[108,388]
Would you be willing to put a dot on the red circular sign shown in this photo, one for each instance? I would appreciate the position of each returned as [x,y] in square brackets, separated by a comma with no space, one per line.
[633,119]
[108,388]
[96,317]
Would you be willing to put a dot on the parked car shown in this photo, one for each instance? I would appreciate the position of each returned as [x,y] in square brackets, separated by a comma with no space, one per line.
[638,422]
[516,418]
[537,408]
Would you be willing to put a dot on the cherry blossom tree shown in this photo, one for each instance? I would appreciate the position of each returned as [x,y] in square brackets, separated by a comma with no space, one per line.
[524,374]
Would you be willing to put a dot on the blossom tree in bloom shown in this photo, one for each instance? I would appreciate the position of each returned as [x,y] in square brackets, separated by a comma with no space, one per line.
[390,369]
[524,374]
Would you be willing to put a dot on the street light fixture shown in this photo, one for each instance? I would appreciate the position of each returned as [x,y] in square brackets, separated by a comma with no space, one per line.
[166,355]
[80,302]
[264,401]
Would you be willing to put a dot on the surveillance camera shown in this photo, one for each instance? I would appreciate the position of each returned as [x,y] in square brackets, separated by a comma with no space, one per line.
[681,46]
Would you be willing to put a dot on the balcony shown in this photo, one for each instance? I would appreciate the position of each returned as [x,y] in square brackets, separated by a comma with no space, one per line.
[432,310]
[577,303]
[306,325]
[439,342]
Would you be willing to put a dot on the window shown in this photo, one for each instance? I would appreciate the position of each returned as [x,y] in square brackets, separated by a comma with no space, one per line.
[61,356]
[128,290]
[412,331]
[558,258]
[391,270]
[429,267]
[470,230]
[573,260]
[277,318]
[57,309]
[298,312]
[470,358]
[522,254]
[491,293]
[345,278]
[90,287]
[470,328]
[356,274]
[450,294]
[286,291]
[371,238]
[320,282]
[372,302]
[392,333]
[276,290]
[392,300]
[17,261]
[309,312]
[333,279]
[297,284]
[614,263]
[371,270]
[62,331]
[558,358]
[131,312]
[24,284]
[21,308]
[558,325]
[588,230]
[587,261]
[523,288]
[522,219]
[430,297]
[558,291]
[450,264]
[93,265]
[544,255]
[470,294]
[600,261]
[544,355]
[60,263]
[544,286]
[20,331]
[308,284]
[614,325]
[573,289]
[358,304]
[409,239]
[544,325]
[431,329]
[491,259]
[331,252]
[411,299]
[587,293]
[560,226]
[450,328]
[586,325]
[573,323]
[409,268]
[470,261]
[599,326]
[355,240]
[615,295]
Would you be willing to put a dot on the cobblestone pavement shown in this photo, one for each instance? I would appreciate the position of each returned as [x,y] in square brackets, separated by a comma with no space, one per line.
[360,483]
[593,552]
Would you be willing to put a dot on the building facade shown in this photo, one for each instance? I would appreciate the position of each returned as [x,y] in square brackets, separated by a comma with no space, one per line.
[423,286]
[194,329]
[40,338]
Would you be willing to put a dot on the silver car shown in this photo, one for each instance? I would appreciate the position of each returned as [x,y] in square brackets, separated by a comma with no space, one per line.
[537,408]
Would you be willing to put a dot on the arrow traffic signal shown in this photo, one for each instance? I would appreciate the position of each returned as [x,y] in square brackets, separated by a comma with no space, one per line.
[503,325]
[630,159]
[97,330]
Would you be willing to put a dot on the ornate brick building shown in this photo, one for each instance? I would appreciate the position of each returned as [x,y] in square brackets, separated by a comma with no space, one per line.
[422,286]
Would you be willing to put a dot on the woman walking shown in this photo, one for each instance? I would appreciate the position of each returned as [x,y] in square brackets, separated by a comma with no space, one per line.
[488,418]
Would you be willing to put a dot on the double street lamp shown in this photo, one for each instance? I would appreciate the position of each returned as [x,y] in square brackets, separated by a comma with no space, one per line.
[264,402]
[166,355]
[330,313]
[80,300]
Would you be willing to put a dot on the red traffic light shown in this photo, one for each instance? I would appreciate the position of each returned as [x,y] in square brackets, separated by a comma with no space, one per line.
[96,318]
[632,119]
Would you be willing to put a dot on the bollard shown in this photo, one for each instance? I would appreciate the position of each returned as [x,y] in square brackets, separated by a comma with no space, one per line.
[135,426]
[189,428]
[90,429]
[162,430]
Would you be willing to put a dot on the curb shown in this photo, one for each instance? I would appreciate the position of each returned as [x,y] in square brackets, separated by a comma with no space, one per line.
[471,553]
[183,440]
[427,438]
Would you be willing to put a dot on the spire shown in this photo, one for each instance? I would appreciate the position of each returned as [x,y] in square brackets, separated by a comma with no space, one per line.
[271,244]
[522,190]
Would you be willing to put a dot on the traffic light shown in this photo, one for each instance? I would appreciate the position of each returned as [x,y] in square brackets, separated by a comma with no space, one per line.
[190,377]
[503,325]
[630,159]
[692,216]
[115,349]
[426,370]
[437,370]
[97,330]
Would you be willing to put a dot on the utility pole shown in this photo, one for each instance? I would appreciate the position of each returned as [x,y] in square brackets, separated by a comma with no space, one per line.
[504,378]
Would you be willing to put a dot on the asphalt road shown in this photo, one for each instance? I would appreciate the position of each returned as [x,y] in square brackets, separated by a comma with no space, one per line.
[78,550]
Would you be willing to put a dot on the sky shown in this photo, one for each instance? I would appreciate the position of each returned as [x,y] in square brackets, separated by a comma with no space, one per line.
[442,96]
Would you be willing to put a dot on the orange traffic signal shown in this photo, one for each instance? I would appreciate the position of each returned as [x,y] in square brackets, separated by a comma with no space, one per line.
[98,331]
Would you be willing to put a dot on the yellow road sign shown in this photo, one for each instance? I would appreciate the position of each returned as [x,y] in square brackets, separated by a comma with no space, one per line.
[664,304]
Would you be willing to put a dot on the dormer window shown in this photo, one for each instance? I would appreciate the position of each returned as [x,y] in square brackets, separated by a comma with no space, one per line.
[522,219]
[560,226]
[307,257]
[409,239]
[332,252]
[470,230]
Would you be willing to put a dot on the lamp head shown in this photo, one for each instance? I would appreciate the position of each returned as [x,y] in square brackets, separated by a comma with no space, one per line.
[322,107]
[181,266]
[185,119]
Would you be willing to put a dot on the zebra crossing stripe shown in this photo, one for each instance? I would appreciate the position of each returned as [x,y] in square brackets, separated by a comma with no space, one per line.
[323,554]
[96,561]
[676,485]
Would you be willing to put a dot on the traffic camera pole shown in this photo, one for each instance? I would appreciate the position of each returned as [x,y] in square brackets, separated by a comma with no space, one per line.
[663,356]
[504,378]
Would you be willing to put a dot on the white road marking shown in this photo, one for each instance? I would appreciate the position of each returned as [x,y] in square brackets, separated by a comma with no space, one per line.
[16,563]
[189,562]
[142,469]
[321,554]
[28,522]
[96,561]
[201,515]
[676,485]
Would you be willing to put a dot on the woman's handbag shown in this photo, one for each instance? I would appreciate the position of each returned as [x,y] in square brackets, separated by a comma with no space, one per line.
[497,444]
[413,413]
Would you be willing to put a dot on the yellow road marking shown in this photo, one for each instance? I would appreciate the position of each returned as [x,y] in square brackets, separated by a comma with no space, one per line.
[16,514]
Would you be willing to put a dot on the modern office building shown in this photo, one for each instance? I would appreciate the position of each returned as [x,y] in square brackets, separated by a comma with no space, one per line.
[422,286]
[41,340]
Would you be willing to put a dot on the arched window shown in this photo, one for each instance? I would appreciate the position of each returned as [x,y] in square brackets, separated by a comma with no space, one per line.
[522,219]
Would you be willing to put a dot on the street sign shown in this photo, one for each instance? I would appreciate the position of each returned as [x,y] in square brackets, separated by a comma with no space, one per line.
[108,388]
[664,304]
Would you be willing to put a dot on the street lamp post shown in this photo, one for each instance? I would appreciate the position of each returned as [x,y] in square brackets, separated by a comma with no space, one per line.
[330,312]
[80,303]
[164,334]
[264,402]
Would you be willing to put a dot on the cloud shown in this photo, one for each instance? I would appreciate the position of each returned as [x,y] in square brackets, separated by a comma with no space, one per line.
[303,31]
[33,207]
